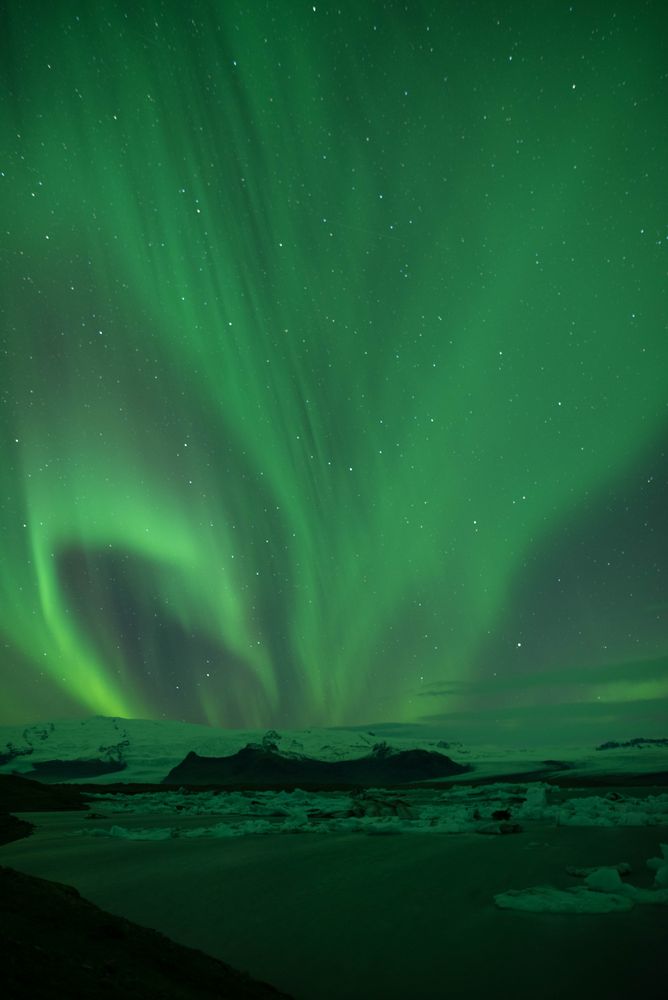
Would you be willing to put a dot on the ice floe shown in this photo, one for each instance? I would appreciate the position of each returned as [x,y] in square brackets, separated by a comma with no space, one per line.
[603,891]
[547,899]
[491,809]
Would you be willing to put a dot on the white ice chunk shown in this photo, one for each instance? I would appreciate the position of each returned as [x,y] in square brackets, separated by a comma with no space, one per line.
[547,899]
[656,896]
[661,877]
[536,802]
[605,880]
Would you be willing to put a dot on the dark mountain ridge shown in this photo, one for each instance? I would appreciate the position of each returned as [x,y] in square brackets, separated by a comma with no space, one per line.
[263,765]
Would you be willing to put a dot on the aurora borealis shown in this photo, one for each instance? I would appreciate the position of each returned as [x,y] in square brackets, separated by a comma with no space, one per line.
[334,363]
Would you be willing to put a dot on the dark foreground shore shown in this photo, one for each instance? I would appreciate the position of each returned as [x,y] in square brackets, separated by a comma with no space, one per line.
[57,944]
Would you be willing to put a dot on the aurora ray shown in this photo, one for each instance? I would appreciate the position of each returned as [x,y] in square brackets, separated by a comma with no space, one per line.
[334,361]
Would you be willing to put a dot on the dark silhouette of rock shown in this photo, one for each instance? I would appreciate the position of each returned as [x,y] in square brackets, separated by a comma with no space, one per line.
[637,741]
[13,828]
[12,752]
[271,739]
[372,803]
[260,766]
[501,814]
[56,944]
[19,794]
[502,828]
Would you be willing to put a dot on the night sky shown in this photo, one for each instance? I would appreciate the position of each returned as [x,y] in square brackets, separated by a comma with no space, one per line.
[334,364]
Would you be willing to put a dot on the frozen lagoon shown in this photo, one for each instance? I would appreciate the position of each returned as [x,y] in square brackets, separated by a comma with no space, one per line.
[345,915]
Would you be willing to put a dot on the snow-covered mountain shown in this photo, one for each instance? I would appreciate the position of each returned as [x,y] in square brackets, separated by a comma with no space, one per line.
[146,750]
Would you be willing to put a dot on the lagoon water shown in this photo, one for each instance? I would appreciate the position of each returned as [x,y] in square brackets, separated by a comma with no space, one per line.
[356,916]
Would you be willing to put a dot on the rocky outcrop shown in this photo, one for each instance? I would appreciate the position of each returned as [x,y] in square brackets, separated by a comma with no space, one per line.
[13,828]
[260,766]
[18,794]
